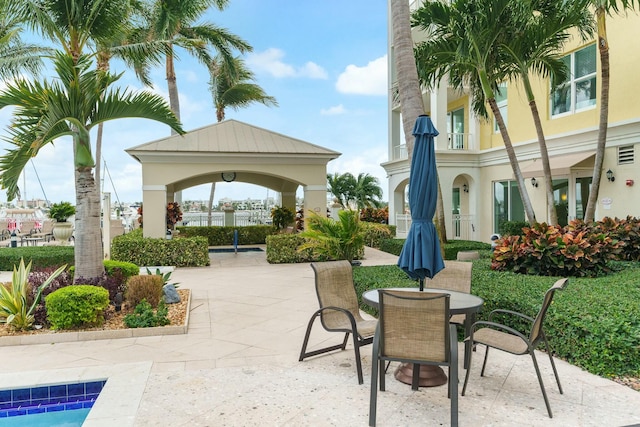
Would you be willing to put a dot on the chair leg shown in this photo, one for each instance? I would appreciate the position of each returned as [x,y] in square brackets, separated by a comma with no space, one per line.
[306,338]
[553,364]
[356,350]
[466,375]
[544,393]
[373,399]
[415,378]
[453,380]
[484,364]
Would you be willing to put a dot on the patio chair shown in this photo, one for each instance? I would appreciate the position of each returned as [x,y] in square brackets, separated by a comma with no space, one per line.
[456,276]
[413,327]
[339,310]
[496,335]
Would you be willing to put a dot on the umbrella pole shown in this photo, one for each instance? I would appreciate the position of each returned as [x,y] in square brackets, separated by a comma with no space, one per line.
[421,284]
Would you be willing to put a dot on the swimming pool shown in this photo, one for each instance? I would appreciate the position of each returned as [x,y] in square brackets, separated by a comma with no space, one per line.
[61,405]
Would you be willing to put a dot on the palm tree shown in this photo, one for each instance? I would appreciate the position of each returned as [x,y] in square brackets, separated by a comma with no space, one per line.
[602,9]
[174,22]
[367,192]
[71,105]
[16,56]
[409,90]
[542,28]
[341,186]
[463,44]
[233,87]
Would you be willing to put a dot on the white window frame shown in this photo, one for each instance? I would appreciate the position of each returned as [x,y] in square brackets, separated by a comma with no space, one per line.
[502,106]
[573,82]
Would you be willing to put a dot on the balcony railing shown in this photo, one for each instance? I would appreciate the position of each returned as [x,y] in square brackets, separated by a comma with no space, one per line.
[462,227]
[459,141]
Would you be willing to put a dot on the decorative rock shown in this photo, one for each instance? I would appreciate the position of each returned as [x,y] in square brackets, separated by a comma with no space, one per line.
[170,294]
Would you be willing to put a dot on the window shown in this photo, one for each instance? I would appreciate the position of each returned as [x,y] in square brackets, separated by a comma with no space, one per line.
[507,203]
[501,100]
[578,91]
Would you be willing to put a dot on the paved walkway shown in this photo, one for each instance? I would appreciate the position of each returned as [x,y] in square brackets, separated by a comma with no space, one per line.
[238,366]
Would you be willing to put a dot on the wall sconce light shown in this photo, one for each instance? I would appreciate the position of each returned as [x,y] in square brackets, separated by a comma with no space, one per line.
[610,176]
[465,188]
[534,182]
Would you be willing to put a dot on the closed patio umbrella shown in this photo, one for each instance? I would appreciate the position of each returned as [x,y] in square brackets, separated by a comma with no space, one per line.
[421,256]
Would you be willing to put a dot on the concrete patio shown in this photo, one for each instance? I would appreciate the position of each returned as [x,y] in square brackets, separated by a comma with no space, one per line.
[238,366]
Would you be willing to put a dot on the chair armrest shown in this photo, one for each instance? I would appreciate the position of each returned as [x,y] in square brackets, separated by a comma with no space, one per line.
[515,313]
[499,326]
[346,312]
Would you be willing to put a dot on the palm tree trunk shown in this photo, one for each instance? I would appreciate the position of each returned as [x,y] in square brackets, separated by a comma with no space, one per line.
[88,251]
[603,48]
[210,205]
[172,87]
[552,216]
[526,202]
[409,91]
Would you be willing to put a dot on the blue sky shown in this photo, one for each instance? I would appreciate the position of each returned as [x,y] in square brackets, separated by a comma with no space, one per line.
[325,63]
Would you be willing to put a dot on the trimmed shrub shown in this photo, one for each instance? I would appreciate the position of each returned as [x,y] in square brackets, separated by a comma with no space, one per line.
[392,246]
[283,248]
[39,256]
[221,236]
[144,316]
[375,233]
[76,306]
[512,228]
[180,252]
[144,287]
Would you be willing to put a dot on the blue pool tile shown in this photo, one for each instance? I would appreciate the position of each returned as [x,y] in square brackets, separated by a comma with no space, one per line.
[75,389]
[36,410]
[16,412]
[94,387]
[39,393]
[5,396]
[6,405]
[88,404]
[70,406]
[92,396]
[21,395]
[55,408]
[58,391]
[3,414]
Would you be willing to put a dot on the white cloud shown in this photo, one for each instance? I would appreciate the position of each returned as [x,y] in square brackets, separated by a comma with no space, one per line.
[271,62]
[333,111]
[368,80]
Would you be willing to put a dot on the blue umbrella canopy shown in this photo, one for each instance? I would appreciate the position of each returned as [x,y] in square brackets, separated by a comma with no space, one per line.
[421,257]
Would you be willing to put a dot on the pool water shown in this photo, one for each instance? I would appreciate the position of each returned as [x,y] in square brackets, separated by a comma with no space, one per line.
[70,418]
[55,405]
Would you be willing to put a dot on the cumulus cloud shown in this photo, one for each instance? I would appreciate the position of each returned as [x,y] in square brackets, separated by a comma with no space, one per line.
[368,80]
[333,111]
[271,61]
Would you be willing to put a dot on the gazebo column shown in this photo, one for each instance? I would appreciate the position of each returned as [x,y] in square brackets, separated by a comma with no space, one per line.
[288,200]
[315,200]
[154,211]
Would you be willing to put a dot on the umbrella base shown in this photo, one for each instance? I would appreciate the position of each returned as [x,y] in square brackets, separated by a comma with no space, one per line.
[430,375]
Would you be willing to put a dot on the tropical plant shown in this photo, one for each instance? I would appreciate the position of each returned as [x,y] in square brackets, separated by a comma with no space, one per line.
[341,186]
[61,211]
[72,105]
[144,316]
[282,217]
[463,45]
[361,192]
[174,214]
[602,9]
[14,305]
[166,277]
[342,239]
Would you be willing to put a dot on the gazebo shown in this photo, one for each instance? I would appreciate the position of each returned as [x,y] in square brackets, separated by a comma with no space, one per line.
[230,151]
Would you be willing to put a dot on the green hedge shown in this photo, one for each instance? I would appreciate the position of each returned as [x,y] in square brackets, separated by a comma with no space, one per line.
[223,236]
[594,323]
[283,248]
[179,252]
[451,249]
[42,256]
[77,305]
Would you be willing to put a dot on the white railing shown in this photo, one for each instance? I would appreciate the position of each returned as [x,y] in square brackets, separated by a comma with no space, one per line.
[459,141]
[463,227]
[240,218]
[400,152]
[403,223]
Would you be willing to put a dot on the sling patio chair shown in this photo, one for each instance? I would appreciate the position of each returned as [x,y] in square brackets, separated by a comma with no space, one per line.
[455,276]
[505,338]
[413,327]
[339,310]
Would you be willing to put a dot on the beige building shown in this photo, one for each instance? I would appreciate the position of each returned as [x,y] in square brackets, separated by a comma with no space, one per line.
[477,181]
[230,151]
